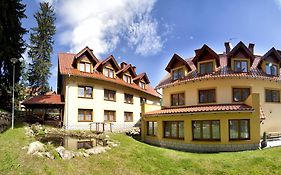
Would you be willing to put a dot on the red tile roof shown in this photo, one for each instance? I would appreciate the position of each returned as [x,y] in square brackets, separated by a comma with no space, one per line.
[53,99]
[66,68]
[202,108]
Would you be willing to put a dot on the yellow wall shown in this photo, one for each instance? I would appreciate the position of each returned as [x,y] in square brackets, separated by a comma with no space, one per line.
[224,96]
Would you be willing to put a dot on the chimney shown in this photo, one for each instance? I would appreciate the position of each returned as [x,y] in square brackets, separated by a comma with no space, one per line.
[134,68]
[251,47]
[123,64]
[227,47]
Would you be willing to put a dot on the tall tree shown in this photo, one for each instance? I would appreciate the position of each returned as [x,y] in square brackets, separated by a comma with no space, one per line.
[40,49]
[11,46]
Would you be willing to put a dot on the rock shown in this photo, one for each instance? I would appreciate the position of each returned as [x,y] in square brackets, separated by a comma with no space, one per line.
[65,154]
[78,154]
[38,154]
[35,147]
[25,147]
[49,155]
[112,144]
[95,150]
[107,148]
[85,155]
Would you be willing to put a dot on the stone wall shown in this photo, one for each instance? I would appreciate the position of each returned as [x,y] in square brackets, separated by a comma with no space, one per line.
[203,147]
[5,120]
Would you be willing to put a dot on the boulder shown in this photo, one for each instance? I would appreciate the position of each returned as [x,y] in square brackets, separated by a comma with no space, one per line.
[64,154]
[35,147]
[96,150]
[49,155]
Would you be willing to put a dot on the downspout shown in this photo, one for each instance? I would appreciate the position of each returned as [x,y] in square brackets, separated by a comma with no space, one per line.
[67,103]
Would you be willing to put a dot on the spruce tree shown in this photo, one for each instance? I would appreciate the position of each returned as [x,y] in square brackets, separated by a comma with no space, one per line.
[40,49]
[11,46]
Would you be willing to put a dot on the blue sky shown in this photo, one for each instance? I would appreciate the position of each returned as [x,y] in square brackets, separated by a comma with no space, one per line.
[146,33]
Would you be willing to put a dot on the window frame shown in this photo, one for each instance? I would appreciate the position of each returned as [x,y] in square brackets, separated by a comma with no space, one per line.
[108,116]
[142,84]
[176,72]
[271,95]
[154,132]
[208,91]
[240,62]
[126,116]
[177,128]
[178,99]
[85,87]
[126,97]
[239,130]
[84,111]
[108,72]
[241,93]
[271,70]
[201,130]
[127,77]
[204,64]
[84,63]
[108,98]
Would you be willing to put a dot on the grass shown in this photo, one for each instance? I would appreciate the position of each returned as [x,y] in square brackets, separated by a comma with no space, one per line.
[134,157]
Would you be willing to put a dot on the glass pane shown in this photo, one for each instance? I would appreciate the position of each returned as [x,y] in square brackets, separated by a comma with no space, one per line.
[111,74]
[181,99]
[89,92]
[202,97]
[180,73]
[105,71]
[211,96]
[236,95]
[88,115]
[167,129]
[233,129]
[237,66]
[275,96]
[244,66]
[88,67]
[82,67]
[244,129]
[206,130]
[175,75]
[202,69]
[209,68]
[155,128]
[197,130]
[216,129]
[80,91]
[174,129]
[80,115]
[274,70]
[175,100]
[181,130]
[268,96]
[245,94]
[268,69]
[150,128]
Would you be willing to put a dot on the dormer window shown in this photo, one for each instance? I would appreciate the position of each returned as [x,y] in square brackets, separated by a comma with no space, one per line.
[206,68]
[108,72]
[178,74]
[241,66]
[142,84]
[127,78]
[85,67]
[271,69]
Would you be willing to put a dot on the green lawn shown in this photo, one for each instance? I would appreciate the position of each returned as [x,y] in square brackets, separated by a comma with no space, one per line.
[133,157]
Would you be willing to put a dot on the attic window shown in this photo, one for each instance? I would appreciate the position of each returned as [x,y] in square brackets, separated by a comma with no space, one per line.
[142,84]
[206,68]
[271,69]
[127,78]
[178,74]
[108,72]
[85,67]
[240,66]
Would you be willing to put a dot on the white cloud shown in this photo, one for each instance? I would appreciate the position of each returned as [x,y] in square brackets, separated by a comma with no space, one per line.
[102,25]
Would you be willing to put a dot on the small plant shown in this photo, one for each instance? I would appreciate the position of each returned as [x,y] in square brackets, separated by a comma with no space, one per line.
[264,142]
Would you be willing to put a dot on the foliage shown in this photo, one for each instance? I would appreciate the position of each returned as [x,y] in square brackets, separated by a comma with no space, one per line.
[134,157]
[40,49]
[11,46]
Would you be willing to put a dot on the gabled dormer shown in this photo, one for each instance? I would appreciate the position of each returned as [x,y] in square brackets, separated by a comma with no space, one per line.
[206,60]
[240,58]
[108,67]
[270,62]
[85,60]
[178,67]
[127,72]
[142,80]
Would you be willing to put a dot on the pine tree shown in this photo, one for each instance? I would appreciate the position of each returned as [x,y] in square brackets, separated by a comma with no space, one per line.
[40,49]
[11,46]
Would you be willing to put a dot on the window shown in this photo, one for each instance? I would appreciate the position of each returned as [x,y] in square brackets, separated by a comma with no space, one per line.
[109,116]
[128,98]
[177,99]
[108,72]
[239,129]
[109,95]
[85,91]
[127,78]
[206,130]
[206,68]
[128,116]
[151,128]
[85,115]
[142,100]
[178,74]
[240,94]
[142,84]
[271,69]
[272,95]
[85,67]
[207,96]
[174,129]
[240,66]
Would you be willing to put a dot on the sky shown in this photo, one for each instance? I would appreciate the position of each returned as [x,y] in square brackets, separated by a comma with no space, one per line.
[146,33]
